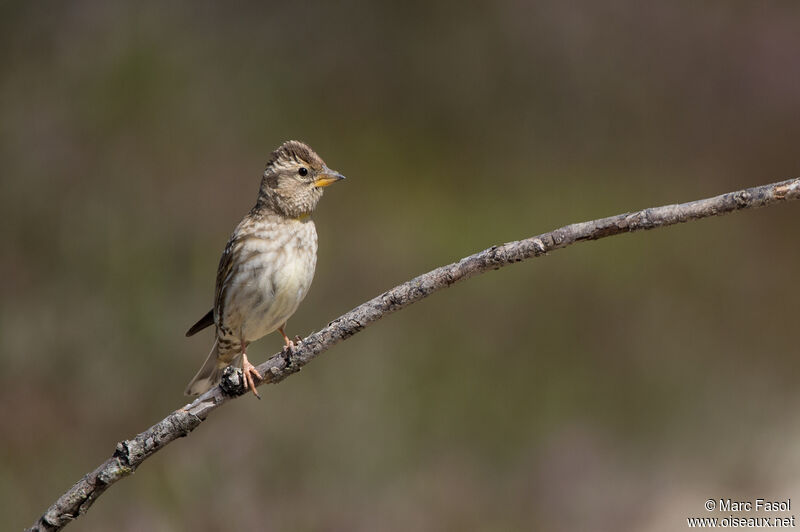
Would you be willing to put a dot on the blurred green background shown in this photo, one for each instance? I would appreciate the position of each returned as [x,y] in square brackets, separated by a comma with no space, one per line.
[614,385]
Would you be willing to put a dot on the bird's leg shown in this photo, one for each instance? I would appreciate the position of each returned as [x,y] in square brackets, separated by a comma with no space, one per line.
[288,346]
[248,371]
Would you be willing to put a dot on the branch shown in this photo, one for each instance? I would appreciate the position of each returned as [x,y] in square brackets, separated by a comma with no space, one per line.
[130,454]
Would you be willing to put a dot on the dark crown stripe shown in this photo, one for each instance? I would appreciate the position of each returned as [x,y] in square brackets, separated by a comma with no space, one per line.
[296,150]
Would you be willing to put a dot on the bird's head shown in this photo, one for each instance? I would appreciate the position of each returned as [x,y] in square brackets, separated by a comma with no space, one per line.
[294,179]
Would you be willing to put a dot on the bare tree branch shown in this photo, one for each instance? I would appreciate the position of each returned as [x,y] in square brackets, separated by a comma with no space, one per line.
[130,454]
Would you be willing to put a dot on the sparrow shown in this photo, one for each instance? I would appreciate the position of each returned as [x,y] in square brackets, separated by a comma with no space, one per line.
[267,266]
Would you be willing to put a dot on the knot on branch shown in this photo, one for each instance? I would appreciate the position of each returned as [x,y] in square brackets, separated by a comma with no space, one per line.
[497,256]
[232,382]
[742,198]
[129,452]
[639,220]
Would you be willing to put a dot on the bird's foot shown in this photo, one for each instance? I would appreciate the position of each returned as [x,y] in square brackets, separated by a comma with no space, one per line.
[248,372]
[288,351]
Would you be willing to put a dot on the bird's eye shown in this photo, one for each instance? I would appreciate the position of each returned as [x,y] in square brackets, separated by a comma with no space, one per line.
[303,171]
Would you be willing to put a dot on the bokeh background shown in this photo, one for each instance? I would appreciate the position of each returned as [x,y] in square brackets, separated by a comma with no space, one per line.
[614,385]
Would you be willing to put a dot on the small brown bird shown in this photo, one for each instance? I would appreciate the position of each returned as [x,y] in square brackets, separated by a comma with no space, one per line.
[268,264]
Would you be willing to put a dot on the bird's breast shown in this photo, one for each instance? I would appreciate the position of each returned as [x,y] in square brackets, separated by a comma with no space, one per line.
[283,260]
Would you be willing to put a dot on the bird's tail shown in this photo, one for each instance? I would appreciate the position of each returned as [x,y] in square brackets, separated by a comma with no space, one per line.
[209,375]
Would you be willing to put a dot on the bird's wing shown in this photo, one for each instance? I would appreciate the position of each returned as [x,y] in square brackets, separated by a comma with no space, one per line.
[231,261]
[224,271]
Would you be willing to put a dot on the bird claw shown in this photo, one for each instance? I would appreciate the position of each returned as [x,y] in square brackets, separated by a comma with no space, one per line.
[248,371]
[287,352]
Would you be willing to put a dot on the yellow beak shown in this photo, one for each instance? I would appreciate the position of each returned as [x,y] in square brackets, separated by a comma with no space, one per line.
[327,177]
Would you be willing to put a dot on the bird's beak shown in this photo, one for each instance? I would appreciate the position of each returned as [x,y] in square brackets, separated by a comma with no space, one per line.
[327,177]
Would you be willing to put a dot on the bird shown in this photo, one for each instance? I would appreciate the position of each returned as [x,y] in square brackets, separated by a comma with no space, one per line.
[267,265]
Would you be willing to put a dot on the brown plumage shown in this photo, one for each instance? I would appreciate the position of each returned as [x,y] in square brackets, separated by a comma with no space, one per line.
[268,264]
